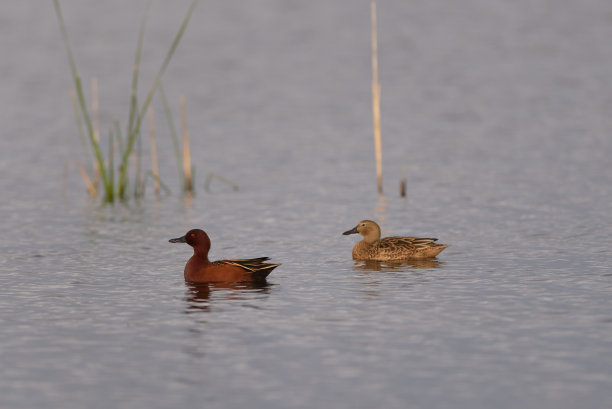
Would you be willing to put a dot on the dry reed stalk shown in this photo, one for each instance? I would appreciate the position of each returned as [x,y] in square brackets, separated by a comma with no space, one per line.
[90,185]
[186,154]
[376,99]
[154,163]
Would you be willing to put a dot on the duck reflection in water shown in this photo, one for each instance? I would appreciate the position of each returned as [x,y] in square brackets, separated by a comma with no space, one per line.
[200,296]
[375,275]
[371,265]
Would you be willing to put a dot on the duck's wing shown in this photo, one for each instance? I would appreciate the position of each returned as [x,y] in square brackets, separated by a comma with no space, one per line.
[406,242]
[257,266]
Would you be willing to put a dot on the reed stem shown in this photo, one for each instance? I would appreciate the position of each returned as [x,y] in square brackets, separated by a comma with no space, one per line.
[225,180]
[376,98]
[93,192]
[139,184]
[136,69]
[111,163]
[79,121]
[173,134]
[95,113]
[95,108]
[154,163]
[82,103]
[186,152]
[136,128]
[119,136]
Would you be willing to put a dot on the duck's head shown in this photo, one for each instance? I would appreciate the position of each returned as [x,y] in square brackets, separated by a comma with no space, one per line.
[196,238]
[368,229]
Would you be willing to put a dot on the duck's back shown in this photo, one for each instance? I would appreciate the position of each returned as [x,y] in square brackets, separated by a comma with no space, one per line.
[256,267]
[398,248]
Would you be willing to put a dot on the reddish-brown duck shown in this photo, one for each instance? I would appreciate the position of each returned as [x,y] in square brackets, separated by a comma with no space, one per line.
[200,269]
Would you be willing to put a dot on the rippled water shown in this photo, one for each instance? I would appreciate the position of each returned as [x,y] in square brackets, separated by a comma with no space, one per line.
[500,114]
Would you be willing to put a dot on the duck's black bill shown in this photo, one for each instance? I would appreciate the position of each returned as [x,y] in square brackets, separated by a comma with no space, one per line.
[352,231]
[178,240]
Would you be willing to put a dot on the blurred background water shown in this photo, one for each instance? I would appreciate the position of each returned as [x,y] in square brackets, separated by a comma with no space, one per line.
[500,113]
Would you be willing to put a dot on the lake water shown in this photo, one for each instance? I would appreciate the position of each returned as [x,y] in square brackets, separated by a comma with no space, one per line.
[500,113]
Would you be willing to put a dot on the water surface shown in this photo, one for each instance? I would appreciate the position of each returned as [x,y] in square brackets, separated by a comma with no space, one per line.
[500,114]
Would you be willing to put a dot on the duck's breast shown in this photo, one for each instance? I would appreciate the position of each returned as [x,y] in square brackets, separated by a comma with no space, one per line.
[364,251]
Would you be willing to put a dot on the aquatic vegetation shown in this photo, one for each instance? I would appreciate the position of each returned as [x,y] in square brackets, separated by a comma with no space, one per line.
[117,187]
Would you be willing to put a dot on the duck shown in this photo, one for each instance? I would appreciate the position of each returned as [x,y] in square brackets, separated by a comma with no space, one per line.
[200,269]
[373,248]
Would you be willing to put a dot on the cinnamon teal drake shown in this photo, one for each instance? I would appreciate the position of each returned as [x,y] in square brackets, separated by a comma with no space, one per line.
[200,269]
[373,248]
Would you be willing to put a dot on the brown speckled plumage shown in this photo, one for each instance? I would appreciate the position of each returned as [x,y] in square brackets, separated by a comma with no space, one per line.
[372,247]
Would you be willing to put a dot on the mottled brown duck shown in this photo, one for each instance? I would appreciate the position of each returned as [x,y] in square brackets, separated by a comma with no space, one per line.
[373,248]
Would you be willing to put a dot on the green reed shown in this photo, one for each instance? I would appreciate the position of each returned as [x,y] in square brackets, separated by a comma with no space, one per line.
[113,188]
[173,134]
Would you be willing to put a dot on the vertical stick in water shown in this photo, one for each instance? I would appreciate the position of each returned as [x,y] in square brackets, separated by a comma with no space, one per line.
[154,163]
[403,182]
[186,154]
[376,99]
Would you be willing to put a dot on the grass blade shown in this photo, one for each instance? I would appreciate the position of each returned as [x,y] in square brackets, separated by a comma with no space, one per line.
[118,136]
[136,70]
[173,134]
[157,179]
[135,129]
[225,180]
[111,165]
[81,98]
[154,163]
[79,121]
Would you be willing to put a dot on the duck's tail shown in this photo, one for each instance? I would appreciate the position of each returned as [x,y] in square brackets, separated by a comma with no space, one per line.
[434,249]
[257,266]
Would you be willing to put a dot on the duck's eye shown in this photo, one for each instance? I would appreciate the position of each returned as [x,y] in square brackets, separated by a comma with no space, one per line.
[362,224]
[192,234]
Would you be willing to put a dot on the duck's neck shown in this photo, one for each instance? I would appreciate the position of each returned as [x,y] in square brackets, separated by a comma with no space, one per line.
[369,241]
[201,254]
[201,249]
